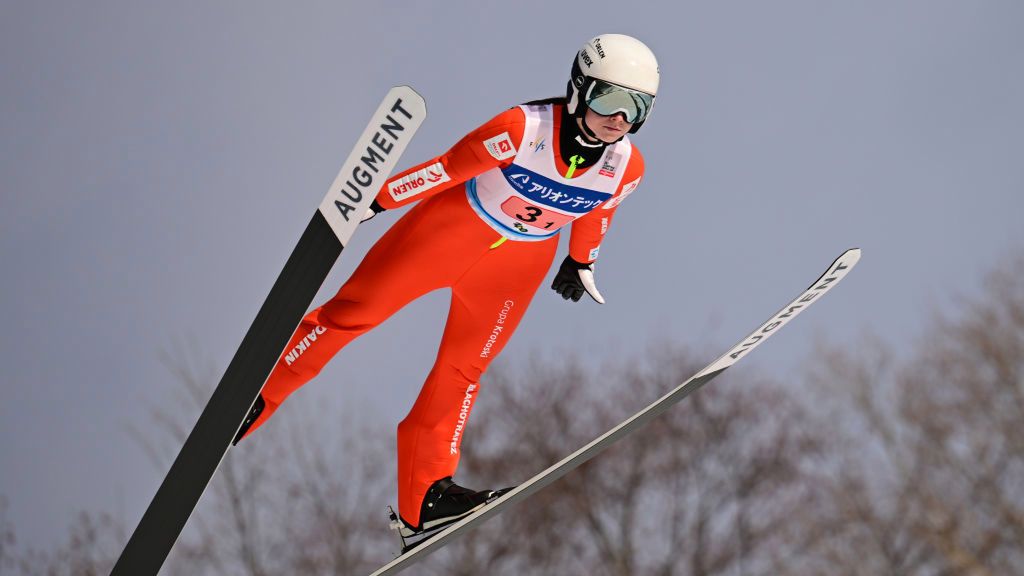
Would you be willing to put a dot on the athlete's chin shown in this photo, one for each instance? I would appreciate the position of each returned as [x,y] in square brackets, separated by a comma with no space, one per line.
[610,134]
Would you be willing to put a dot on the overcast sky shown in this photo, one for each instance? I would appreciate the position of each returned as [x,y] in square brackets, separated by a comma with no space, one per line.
[159,161]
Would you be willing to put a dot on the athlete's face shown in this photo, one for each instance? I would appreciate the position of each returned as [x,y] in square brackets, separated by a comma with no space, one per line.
[608,128]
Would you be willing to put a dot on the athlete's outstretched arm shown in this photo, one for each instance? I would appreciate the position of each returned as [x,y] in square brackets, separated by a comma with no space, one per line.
[576,274]
[589,230]
[492,145]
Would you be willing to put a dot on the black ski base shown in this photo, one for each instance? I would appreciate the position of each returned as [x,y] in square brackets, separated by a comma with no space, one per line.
[234,397]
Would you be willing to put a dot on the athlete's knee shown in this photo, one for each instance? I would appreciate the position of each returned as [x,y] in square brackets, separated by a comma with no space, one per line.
[302,371]
[423,421]
[468,374]
[465,371]
[349,316]
[302,361]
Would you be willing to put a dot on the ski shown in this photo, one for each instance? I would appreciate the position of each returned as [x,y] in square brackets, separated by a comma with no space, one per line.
[369,164]
[836,272]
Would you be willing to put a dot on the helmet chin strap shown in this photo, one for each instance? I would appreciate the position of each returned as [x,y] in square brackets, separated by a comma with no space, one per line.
[576,138]
[591,140]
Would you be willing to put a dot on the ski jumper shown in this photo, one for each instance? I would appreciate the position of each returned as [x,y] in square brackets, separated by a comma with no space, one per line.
[486,227]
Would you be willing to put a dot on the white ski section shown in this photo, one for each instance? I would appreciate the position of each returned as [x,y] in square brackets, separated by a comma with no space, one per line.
[840,268]
[372,160]
[836,272]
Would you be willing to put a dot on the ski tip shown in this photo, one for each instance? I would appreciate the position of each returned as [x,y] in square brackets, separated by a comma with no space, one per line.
[410,94]
[850,257]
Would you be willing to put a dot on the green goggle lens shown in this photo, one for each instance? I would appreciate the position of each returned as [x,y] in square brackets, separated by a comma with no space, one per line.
[608,99]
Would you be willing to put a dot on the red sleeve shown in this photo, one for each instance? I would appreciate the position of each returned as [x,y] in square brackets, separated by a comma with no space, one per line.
[589,230]
[492,145]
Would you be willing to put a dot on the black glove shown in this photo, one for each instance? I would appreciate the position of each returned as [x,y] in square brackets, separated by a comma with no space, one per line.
[372,211]
[573,279]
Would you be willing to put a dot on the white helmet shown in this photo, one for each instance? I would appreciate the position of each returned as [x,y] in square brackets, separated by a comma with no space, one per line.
[612,74]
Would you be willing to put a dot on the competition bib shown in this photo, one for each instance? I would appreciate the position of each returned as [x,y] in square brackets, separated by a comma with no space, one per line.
[530,200]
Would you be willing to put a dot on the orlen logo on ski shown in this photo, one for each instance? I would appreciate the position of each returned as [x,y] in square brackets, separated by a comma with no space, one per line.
[418,182]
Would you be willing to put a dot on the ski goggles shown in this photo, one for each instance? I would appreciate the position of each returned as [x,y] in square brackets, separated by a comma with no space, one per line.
[608,99]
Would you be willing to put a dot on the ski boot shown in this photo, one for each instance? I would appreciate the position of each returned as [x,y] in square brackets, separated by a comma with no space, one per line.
[254,413]
[446,503]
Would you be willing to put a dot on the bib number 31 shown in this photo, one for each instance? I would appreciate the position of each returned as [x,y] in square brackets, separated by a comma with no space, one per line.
[534,216]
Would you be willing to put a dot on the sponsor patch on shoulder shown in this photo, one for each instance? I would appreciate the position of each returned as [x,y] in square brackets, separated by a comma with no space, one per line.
[418,182]
[500,147]
[627,189]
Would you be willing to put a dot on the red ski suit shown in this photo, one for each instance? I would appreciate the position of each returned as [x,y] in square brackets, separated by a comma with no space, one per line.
[444,242]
